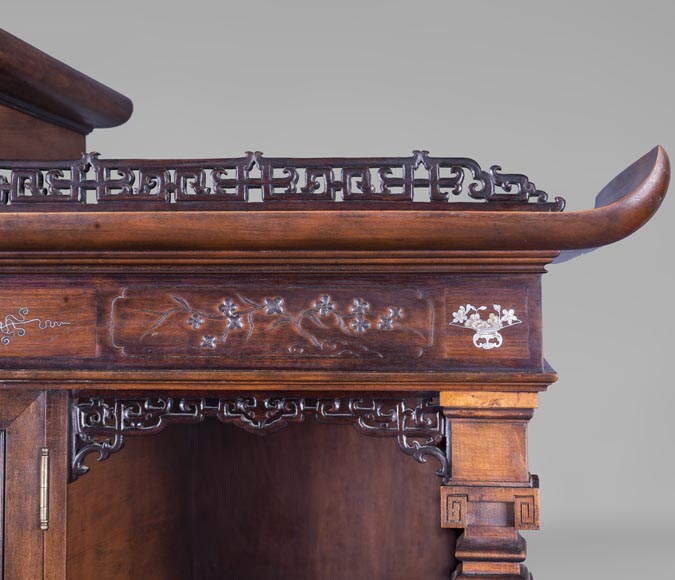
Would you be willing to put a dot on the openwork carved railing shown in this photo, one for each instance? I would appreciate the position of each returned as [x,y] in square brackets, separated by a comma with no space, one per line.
[101,424]
[227,183]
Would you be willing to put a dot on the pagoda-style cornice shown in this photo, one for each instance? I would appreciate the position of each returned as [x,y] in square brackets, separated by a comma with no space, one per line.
[318,204]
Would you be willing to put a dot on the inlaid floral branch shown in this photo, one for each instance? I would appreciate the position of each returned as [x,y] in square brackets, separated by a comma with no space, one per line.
[243,315]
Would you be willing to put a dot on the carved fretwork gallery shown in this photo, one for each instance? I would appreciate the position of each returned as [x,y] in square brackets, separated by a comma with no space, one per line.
[100,424]
[160,182]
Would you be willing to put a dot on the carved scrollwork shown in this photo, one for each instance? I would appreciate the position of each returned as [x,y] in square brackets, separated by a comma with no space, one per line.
[162,182]
[100,424]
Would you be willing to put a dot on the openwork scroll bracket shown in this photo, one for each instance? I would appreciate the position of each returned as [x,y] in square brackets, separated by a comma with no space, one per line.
[101,424]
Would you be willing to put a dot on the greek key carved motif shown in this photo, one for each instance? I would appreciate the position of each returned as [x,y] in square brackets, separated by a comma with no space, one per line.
[100,424]
[526,511]
[455,511]
[158,183]
[521,504]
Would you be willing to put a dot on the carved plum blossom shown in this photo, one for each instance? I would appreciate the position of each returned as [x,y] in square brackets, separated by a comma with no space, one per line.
[324,305]
[196,320]
[209,342]
[387,321]
[274,305]
[359,325]
[228,308]
[360,307]
[234,322]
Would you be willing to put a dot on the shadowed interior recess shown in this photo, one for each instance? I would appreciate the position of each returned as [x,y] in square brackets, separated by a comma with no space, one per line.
[310,501]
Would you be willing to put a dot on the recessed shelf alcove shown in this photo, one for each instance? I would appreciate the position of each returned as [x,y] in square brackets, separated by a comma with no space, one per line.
[212,502]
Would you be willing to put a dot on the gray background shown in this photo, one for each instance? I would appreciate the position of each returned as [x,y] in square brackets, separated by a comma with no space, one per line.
[567,92]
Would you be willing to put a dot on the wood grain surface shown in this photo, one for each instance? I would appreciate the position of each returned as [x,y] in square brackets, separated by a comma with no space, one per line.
[34,82]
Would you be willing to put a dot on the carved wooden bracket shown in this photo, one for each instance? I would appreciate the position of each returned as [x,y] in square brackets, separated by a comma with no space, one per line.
[101,424]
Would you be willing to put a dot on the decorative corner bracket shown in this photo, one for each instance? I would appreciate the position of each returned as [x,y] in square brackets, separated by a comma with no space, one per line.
[101,424]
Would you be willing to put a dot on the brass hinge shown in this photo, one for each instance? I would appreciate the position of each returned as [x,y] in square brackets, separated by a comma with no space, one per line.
[44,488]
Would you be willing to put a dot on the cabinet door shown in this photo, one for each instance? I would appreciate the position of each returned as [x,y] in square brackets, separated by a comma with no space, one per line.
[31,421]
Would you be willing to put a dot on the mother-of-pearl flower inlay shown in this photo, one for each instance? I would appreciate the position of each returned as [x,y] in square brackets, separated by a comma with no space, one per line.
[486,331]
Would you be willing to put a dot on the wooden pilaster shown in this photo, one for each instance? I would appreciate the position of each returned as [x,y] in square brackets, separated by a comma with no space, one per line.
[491,494]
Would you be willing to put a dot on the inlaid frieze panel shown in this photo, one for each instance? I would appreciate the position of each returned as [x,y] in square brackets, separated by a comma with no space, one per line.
[272,321]
[240,321]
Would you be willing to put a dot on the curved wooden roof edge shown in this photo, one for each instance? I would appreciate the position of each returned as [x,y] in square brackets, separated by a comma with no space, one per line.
[625,204]
[35,83]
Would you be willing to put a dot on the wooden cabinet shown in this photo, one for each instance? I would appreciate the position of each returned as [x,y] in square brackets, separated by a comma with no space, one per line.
[333,382]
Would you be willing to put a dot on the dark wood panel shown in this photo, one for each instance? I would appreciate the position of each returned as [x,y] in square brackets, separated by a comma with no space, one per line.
[24,541]
[57,426]
[38,83]
[313,501]
[128,518]
[13,403]
[47,322]
[25,137]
